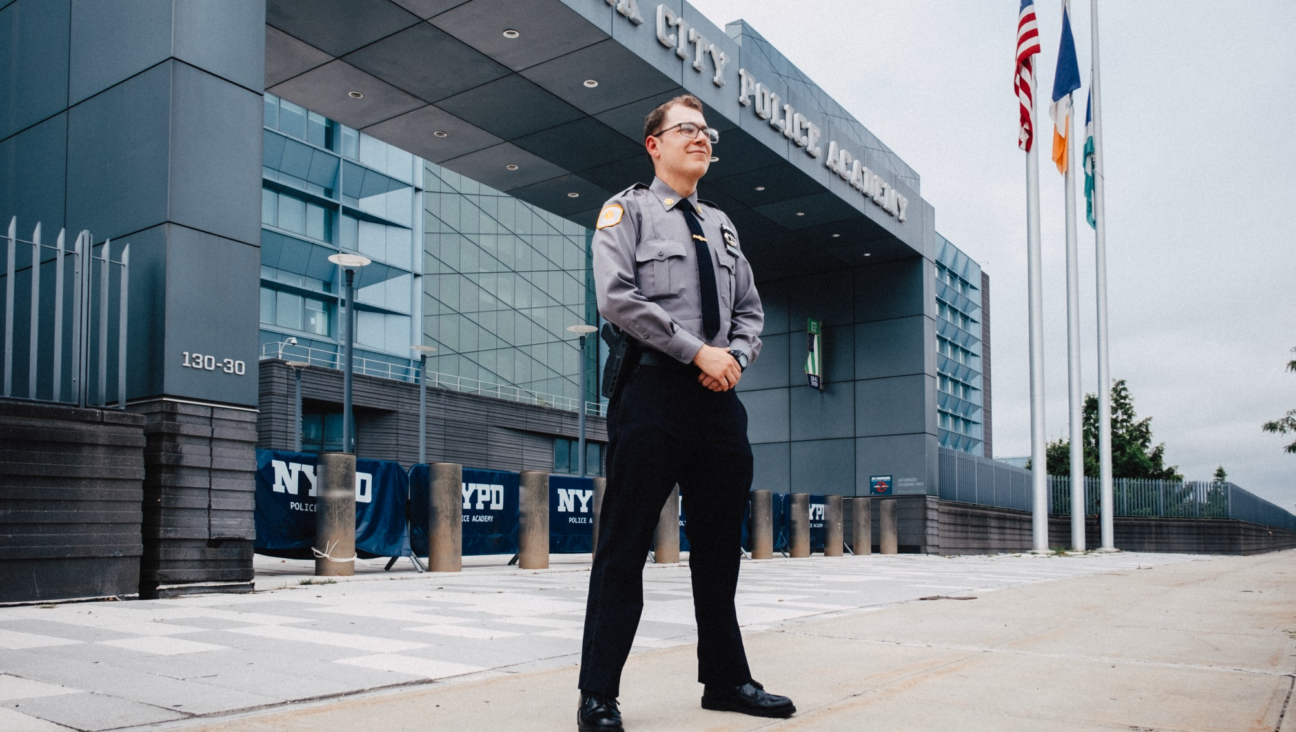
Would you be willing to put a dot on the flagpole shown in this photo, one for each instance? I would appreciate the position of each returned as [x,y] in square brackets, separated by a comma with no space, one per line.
[1106,522]
[1035,278]
[1073,348]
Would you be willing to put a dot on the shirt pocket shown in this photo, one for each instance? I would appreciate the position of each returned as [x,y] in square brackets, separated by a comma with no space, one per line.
[661,265]
[725,278]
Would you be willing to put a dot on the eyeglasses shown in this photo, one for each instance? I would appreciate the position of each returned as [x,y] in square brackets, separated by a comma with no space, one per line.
[689,131]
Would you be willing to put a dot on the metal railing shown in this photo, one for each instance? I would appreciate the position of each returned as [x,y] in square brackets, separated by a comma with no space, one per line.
[409,373]
[973,479]
[1172,499]
[968,478]
[75,300]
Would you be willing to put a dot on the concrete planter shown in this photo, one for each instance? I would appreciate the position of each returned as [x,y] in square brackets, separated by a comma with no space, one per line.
[71,486]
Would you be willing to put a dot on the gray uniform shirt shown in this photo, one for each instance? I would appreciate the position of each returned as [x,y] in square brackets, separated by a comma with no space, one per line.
[646,274]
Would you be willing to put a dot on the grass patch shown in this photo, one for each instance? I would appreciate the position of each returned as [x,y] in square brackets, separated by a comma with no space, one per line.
[318,582]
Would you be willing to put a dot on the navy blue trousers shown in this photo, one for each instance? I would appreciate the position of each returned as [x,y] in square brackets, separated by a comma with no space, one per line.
[664,428]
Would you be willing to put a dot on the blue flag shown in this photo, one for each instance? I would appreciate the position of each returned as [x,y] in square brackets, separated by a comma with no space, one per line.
[1066,79]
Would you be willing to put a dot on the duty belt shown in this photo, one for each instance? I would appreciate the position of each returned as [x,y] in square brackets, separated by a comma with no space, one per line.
[650,357]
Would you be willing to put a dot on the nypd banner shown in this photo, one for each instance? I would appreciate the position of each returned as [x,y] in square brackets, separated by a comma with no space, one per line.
[571,514]
[817,504]
[490,511]
[782,519]
[285,505]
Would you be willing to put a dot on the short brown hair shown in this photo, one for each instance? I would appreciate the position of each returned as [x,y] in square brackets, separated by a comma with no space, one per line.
[655,117]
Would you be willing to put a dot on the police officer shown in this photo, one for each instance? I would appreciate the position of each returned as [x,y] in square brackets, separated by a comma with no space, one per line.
[669,272]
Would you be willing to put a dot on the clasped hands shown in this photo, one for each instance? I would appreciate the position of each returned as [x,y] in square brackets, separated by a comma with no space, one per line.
[720,371]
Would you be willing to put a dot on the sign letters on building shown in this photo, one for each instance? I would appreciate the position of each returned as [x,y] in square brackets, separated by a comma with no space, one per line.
[687,42]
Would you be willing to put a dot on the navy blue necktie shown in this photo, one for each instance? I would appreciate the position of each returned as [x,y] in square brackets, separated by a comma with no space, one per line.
[706,273]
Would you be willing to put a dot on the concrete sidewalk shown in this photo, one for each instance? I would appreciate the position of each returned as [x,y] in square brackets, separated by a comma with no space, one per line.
[1206,645]
[1124,641]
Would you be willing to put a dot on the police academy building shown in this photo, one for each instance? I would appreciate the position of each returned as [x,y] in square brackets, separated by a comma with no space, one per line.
[465,147]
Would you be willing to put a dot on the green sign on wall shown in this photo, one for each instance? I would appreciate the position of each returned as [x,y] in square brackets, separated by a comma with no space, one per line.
[814,359]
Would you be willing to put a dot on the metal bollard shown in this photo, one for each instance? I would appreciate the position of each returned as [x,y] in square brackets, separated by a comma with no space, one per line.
[335,521]
[833,524]
[889,528]
[445,517]
[799,539]
[666,544]
[600,485]
[862,518]
[762,525]
[533,520]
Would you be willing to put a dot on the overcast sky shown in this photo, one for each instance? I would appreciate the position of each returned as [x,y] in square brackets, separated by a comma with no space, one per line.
[1201,190]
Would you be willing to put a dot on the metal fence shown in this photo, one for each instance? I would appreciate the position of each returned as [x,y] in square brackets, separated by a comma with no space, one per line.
[1172,499]
[1146,498]
[65,317]
[970,478]
[409,373]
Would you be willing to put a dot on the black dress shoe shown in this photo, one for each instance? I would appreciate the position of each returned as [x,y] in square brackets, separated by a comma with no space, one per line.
[598,714]
[750,698]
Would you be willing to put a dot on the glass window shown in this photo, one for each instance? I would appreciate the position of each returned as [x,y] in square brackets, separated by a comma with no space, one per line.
[288,310]
[267,305]
[350,143]
[312,432]
[372,240]
[350,232]
[369,329]
[292,214]
[292,119]
[271,111]
[562,455]
[316,226]
[317,130]
[269,207]
[317,317]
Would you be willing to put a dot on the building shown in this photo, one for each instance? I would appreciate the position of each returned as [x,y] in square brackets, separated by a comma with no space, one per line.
[962,337]
[466,147]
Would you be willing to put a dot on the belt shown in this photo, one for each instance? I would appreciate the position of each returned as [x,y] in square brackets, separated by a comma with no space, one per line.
[650,357]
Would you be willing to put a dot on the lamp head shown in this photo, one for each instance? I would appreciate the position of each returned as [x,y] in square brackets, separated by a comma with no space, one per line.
[350,260]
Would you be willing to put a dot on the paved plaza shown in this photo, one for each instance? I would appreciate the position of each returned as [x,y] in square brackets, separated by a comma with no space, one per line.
[865,632]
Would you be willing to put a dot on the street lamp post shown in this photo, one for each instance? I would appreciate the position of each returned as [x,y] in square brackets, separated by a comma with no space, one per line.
[422,352]
[582,330]
[297,367]
[350,262]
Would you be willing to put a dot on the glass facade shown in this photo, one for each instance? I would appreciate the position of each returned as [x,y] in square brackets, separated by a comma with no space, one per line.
[328,188]
[494,287]
[959,395]
[504,279]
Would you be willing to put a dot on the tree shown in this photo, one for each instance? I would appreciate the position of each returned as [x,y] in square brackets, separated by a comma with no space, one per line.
[1220,475]
[1286,424]
[1133,455]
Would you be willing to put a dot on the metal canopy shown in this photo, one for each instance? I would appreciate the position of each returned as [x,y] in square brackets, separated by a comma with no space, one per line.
[447,66]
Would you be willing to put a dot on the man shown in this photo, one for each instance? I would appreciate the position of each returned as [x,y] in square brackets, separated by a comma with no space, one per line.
[668,272]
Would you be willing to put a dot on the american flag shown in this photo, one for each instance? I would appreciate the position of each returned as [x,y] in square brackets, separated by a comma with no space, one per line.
[1024,82]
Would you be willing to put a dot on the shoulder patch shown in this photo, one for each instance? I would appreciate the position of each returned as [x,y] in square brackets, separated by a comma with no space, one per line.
[611,216]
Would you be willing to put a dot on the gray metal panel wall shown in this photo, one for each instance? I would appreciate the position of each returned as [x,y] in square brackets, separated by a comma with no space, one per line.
[877,412]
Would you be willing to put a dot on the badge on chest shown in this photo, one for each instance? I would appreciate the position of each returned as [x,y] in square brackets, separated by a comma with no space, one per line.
[730,239]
